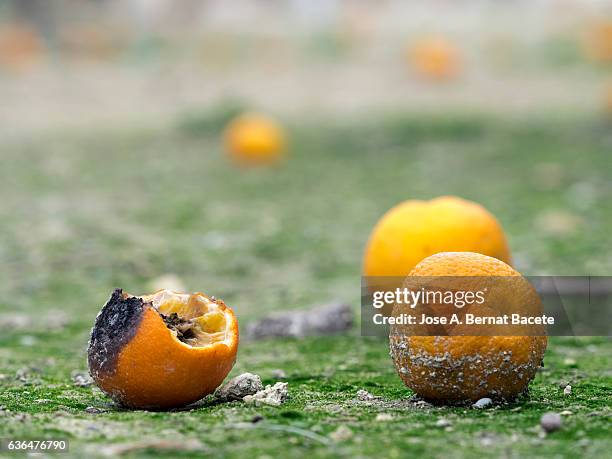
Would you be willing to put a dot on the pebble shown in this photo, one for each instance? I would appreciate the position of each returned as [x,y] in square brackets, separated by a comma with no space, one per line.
[239,387]
[422,404]
[569,362]
[28,341]
[567,390]
[272,395]
[487,439]
[15,322]
[341,433]
[93,410]
[27,375]
[566,413]
[81,379]
[443,423]
[482,403]
[365,396]
[327,319]
[169,282]
[279,374]
[550,422]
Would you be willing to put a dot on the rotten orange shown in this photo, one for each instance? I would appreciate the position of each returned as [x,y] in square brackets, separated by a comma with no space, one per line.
[163,350]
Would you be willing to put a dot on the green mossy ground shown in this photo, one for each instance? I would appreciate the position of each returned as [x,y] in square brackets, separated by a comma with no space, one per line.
[84,213]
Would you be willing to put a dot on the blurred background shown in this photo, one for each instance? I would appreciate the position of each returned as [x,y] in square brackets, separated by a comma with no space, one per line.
[114,168]
[80,62]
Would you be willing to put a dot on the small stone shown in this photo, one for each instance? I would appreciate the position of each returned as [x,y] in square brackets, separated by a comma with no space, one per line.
[167,282]
[81,379]
[550,422]
[326,319]
[257,418]
[279,374]
[384,417]
[482,403]
[239,387]
[93,410]
[28,340]
[15,322]
[26,375]
[443,423]
[342,433]
[422,404]
[567,390]
[566,413]
[569,362]
[365,396]
[488,439]
[272,395]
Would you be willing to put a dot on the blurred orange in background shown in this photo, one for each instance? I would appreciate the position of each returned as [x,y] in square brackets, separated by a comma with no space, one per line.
[598,42]
[255,139]
[20,47]
[435,58]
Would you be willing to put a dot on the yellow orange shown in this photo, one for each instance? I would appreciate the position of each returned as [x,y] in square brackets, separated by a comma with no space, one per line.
[20,47]
[416,229]
[435,58]
[163,350]
[598,42]
[254,139]
[451,368]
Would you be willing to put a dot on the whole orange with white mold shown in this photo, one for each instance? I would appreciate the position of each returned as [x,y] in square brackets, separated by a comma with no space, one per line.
[457,367]
[255,139]
[163,350]
[415,229]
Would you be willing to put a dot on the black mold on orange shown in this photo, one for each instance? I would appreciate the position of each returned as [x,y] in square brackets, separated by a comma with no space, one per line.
[115,326]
